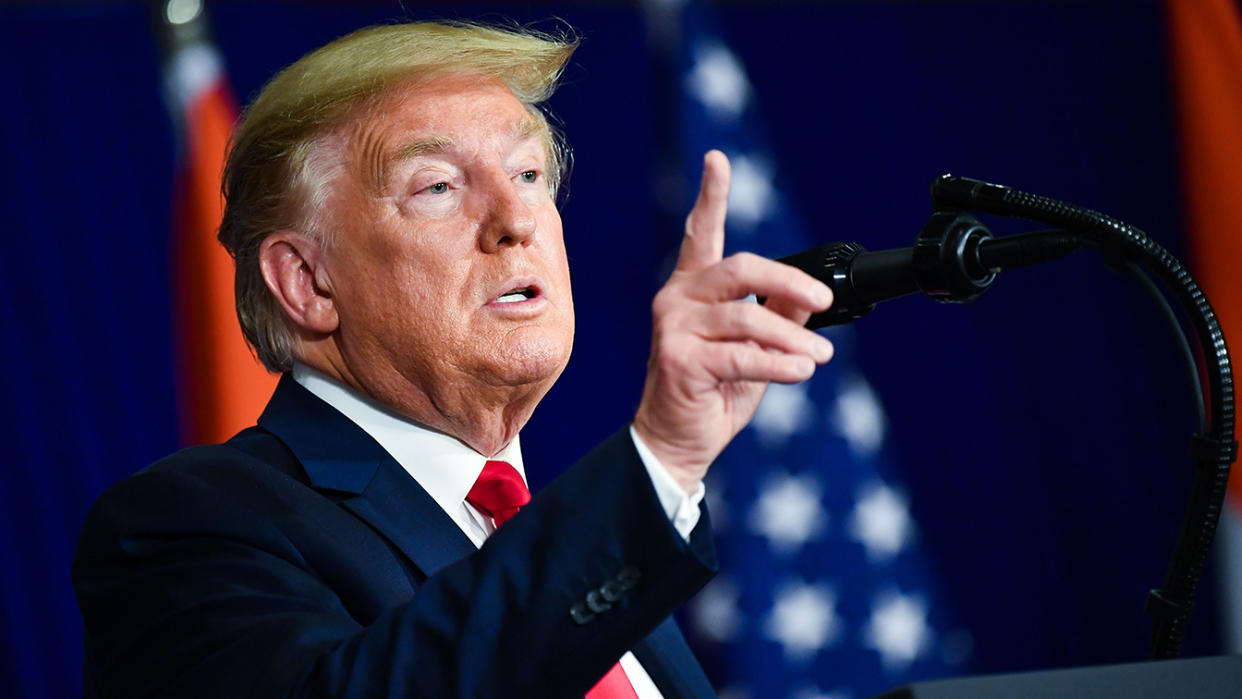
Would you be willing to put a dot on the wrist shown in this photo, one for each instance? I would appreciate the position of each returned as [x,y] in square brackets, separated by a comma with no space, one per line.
[686,471]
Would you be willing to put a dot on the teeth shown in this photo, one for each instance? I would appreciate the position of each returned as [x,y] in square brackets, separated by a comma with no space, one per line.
[516,295]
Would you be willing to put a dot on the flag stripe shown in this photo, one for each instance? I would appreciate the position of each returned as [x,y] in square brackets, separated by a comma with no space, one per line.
[1205,40]
[1205,47]
[224,386]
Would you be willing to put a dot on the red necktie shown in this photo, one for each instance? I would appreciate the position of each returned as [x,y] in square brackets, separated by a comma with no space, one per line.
[499,493]
[614,685]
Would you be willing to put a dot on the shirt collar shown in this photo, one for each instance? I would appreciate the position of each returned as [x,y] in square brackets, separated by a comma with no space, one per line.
[440,463]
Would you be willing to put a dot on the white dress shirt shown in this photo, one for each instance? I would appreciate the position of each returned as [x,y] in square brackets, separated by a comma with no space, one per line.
[447,469]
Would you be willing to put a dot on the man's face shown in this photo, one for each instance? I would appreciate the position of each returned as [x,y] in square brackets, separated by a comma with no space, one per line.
[448,267]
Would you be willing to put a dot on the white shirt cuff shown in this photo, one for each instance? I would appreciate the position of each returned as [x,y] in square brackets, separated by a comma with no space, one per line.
[682,509]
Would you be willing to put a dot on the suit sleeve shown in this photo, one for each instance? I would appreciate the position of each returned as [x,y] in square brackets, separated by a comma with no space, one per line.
[189,588]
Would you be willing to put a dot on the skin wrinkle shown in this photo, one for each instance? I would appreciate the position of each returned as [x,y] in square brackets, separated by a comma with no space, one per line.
[409,151]
[273,185]
[413,273]
[527,129]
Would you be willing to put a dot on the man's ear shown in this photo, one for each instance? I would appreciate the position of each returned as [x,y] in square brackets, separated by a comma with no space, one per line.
[292,268]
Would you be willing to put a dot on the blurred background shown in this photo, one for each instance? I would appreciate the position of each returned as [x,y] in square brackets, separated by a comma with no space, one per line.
[979,488]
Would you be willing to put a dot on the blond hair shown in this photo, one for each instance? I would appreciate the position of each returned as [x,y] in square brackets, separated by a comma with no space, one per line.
[278,171]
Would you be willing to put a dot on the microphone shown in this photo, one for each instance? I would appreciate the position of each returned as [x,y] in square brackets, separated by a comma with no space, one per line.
[954,260]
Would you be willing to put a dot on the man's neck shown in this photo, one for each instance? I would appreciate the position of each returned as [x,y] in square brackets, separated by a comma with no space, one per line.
[441,464]
[483,417]
[367,411]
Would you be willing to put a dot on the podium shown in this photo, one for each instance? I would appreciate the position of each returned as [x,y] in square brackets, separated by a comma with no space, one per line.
[1202,678]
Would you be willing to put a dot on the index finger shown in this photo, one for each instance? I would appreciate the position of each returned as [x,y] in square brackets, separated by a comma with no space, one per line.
[746,273]
[703,243]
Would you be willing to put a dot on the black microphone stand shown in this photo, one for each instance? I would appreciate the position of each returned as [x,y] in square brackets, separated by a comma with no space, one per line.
[955,259]
[1212,447]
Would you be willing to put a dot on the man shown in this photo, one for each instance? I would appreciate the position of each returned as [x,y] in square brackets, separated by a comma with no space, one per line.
[390,206]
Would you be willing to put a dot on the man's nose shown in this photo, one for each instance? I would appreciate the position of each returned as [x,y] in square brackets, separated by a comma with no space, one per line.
[509,220]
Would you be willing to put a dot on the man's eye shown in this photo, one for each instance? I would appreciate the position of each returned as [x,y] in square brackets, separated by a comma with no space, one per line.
[530,176]
[438,188]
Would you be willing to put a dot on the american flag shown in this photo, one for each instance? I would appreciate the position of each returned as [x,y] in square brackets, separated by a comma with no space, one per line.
[823,589]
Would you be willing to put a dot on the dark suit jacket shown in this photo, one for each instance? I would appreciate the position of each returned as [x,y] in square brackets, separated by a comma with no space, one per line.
[300,559]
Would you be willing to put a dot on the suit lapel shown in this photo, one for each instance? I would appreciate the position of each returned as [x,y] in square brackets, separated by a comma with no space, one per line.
[402,511]
[340,456]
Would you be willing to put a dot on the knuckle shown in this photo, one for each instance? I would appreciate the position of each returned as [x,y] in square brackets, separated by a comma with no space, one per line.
[738,261]
[657,305]
[738,362]
[738,318]
[664,302]
[749,259]
[748,263]
[669,361]
[733,267]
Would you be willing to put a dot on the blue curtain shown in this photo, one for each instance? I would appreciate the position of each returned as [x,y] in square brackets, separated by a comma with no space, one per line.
[1041,430]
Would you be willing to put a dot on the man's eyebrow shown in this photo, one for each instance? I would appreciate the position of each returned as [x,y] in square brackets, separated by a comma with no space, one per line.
[529,127]
[435,144]
[382,167]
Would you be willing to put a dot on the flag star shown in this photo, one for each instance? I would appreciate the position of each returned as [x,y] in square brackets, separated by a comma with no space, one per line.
[803,619]
[898,629]
[715,611]
[751,196]
[788,511]
[718,81]
[858,417]
[881,522]
[784,410]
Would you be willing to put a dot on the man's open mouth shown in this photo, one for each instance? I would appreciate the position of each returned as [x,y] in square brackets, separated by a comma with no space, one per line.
[517,295]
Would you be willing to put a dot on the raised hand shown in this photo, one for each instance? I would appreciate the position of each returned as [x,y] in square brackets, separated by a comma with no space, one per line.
[712,355]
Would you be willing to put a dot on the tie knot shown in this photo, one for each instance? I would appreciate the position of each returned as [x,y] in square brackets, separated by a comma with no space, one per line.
[499,492]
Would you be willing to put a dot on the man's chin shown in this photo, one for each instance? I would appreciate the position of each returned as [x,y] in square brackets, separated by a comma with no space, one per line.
[529,363]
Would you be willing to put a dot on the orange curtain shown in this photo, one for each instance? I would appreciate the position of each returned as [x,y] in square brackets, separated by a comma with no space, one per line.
[1205,43]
